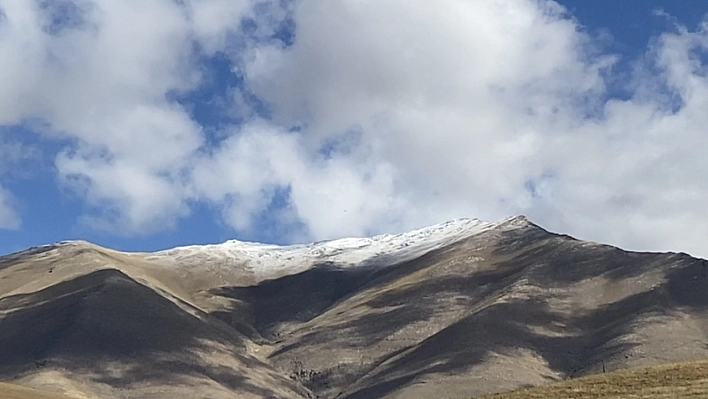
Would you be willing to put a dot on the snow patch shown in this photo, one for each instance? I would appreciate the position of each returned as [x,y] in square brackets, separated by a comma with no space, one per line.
[387,249]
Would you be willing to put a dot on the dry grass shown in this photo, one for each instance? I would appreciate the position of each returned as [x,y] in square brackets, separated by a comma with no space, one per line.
[10,391]
[677,380]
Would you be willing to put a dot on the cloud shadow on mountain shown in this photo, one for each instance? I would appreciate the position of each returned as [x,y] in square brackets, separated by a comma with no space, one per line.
[91,323]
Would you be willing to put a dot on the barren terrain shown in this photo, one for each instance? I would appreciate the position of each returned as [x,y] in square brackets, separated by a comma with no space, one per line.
[668,381]
[491,309]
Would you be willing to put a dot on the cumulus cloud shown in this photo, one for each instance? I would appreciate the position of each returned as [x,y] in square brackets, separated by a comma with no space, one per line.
[640,168]
[99,73]
[362,117]
[496,108]
[334,196]
[446,102]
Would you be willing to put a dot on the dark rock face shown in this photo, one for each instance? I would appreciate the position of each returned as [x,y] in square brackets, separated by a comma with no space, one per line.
[510,307]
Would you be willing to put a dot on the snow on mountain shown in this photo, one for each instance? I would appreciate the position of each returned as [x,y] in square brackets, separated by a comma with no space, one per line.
[265,259]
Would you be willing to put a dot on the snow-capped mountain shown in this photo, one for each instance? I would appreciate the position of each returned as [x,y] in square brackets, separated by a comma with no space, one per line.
[482,307]
[265,259]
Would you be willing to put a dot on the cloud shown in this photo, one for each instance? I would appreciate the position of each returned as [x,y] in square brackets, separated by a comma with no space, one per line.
[17,161]
[9,217]
[495,108]
[103,84]
[454,101]
[333,196]
[635,176]
[17,158]
[362,117]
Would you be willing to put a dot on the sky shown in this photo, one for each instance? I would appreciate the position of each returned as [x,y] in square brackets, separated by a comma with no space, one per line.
[147,124]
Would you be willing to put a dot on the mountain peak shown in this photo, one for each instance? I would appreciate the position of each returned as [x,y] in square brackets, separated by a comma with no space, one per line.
[517,221]
[380,250]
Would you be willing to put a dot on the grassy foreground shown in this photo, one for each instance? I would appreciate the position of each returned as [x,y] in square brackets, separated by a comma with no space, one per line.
[670,381]
[10,391]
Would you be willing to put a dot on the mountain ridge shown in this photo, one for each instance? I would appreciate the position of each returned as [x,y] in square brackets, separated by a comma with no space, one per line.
[507,305]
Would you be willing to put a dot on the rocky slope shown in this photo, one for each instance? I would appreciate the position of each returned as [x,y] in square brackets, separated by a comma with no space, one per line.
[452,311]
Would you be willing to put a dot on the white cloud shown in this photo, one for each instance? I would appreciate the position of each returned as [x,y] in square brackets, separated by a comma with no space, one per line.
[407,114]
[102,82]
[494,108]
[17,158]
[453,99]
[333,196]
[212,20]
[636,177]
[9,217]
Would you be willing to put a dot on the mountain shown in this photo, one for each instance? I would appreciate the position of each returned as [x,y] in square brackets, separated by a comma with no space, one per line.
[456,310]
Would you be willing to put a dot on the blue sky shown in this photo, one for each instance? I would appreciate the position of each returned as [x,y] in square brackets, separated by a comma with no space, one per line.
[292,121]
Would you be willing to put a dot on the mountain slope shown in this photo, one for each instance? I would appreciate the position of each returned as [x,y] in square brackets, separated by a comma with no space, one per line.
[501,310]
[103,333]
[459,309]
[11,391]
[676,380]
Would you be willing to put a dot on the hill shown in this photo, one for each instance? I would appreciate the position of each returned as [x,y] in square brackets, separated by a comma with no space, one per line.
[10,391]
[461,309]
[670,381]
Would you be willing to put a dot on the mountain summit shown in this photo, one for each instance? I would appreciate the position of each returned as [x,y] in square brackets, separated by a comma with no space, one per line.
[458,309]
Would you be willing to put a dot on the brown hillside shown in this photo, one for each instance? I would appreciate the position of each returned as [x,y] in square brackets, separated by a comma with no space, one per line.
[670,381]
[10,391]
[511,307]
